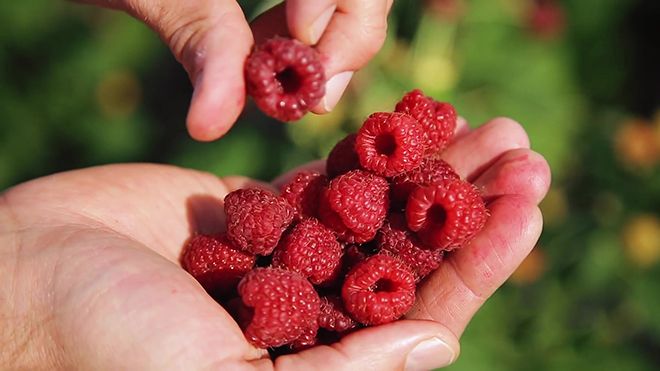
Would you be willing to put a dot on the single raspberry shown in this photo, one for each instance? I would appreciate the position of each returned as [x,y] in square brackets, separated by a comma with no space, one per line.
[333,316]
[396,240]
[390,143]
[216,263]
[285,77]
[342,157]
[431,171]
[438,119]
[379,290]
[303,192]
[283,306]
[354,205]
[256,219]
[446,215]
[311,249]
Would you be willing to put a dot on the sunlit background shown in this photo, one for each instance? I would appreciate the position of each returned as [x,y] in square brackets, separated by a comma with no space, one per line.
[81,86]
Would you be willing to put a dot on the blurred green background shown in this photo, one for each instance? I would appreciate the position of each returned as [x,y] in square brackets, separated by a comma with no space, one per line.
[81,86]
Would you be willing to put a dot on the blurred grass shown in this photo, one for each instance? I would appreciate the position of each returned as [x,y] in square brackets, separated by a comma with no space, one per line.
[81,86]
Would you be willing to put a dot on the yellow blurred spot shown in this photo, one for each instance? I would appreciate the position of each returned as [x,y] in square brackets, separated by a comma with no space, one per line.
[636,144]
[448,10]
[641,240]
[554,207]
[118,94]
[531,269]
[434,73]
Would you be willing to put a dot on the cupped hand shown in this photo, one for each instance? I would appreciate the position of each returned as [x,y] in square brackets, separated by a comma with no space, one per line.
[91,274]
[212,38]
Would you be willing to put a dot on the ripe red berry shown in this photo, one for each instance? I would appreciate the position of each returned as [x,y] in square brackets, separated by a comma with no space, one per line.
[342,157]
[303,191]
[285,77]
[354,205]
[431,171]
[284,305]
[311,249]
[438,119]
[333,316]
[390,143]
[396,240]
[446,215]
[256,219]
[379,290]
[216,263]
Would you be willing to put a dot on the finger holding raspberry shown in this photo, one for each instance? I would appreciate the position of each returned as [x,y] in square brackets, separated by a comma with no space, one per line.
[346,33]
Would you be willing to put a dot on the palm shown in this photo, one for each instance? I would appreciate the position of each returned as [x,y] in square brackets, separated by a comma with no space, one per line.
[116,233]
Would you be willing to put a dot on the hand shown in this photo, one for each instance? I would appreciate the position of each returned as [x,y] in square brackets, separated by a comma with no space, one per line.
[211,38]
[91,278]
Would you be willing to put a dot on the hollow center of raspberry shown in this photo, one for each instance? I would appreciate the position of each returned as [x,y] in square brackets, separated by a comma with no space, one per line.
[289,79]
[385,285]
[436,216]
[385,144]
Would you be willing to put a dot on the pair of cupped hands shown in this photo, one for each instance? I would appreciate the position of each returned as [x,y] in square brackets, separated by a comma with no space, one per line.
[90,258]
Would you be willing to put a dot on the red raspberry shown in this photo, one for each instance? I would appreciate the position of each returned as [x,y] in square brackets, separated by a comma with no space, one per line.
[303,192]
[342,157]
[333,315]
[284,306]
[390,143]
[396,240]
[285,77]
[431,171]
[354,205]
[311,249]
[446,215]
[307,340]
[379,290]
[216,263]
[438,119]
[256,219]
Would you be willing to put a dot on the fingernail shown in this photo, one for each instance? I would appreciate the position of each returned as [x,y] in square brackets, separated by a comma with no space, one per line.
[318,26]
[429,354]
[335,88]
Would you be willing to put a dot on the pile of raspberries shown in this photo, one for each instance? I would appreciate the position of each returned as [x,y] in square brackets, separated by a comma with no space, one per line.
[338,251]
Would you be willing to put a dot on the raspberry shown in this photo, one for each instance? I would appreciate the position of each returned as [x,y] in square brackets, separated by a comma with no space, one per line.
[438,119]
[256,219]
[379,290]
[390,143]
[285,77]
[342,157]
[311,249]
[333,316]
[303,191]
[446,215]
[396,240]
[283,306]
[215,263]
[306,340]
[431,171]
[354,205]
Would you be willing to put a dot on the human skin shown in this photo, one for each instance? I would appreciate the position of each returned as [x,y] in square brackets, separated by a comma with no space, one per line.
[91,276]
[211,39]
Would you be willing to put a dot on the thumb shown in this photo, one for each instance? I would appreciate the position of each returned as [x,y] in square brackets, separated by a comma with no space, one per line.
[409,345]
[211,39]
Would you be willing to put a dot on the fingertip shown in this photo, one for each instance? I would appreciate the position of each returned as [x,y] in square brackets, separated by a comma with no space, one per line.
[409,344]
[215,106]
[335,88]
